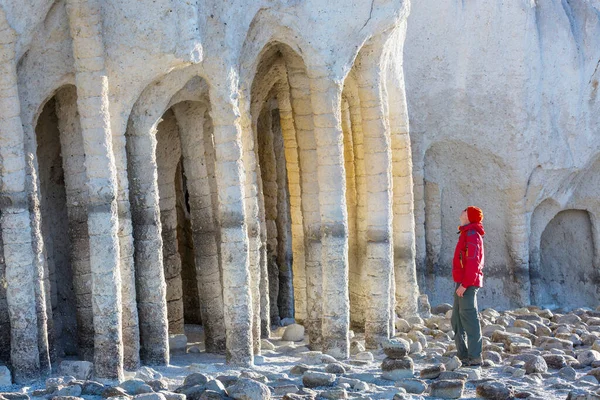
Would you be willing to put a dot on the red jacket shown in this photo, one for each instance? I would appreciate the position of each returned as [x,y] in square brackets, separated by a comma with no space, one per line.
[467,266]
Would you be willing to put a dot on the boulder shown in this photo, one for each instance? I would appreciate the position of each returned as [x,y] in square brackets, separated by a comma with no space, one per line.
[432,372]
[402,325]
[396,348]
[494,391]
[195,379]
[450,375]
[216,386]
[536,364]
[453,363]
[81,370]
[334,394]
[135,386]
[335,368]
[248,389]
[293,333]
[587,357]
[177,343]
[568,373]
[147,374]
[92,388]
[395,369]
[415,386]
[452,389]
[356,347]
[312,379]
[441,309]
[70,391]
[115,391]
[158,385]
[493,356]
[150,396]
[299,369]
[212,395]
[555,361]
[365,356]
[191,392]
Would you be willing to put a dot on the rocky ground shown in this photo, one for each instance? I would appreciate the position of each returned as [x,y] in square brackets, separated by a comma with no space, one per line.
[528,353]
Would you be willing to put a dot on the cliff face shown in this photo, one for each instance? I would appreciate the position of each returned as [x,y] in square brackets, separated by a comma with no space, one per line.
[502,100]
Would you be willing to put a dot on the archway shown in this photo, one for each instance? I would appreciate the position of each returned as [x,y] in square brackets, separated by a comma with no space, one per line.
[567,275]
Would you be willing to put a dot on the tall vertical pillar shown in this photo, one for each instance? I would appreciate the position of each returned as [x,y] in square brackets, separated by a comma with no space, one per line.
[311,217]
[15,220]
[92,89]
[377,154]
[326,96]
[198,160]
[237,297]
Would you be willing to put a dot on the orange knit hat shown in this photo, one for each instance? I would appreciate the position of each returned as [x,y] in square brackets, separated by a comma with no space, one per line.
[475,214]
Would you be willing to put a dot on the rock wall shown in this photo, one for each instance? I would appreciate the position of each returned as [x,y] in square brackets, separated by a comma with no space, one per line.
[502,103]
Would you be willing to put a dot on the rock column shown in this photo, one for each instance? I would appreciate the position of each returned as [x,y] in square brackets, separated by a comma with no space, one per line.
[405,271]
[378,163]
[307,157]
[92,90]
[288,132]
[15,220]
[237,297]
[198,161]
[326,98]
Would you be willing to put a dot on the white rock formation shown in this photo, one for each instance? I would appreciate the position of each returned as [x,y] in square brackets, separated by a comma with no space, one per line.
[250,160]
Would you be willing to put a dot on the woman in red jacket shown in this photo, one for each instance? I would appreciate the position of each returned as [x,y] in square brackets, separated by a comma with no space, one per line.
[467,272]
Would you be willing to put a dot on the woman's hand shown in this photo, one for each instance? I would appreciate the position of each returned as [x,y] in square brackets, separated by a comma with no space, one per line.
[461,291]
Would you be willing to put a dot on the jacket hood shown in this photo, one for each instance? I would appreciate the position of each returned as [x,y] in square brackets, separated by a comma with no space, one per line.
[478,226]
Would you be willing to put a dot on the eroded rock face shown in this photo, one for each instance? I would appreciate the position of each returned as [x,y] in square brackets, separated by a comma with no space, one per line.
[465,141]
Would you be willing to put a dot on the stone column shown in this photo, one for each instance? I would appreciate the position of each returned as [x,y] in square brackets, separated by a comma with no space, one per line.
[326,98]
[356,285]
[406,211]
[145,213]
[237,297]
[268,169]
[256,237]
[198,161]
[168,155]
[92,90]
[378,164]
[285,300]
[71,147]
[15,220]
[288,132]
[311,217]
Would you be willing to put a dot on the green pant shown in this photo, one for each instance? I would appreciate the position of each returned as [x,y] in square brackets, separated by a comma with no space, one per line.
[465,324]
